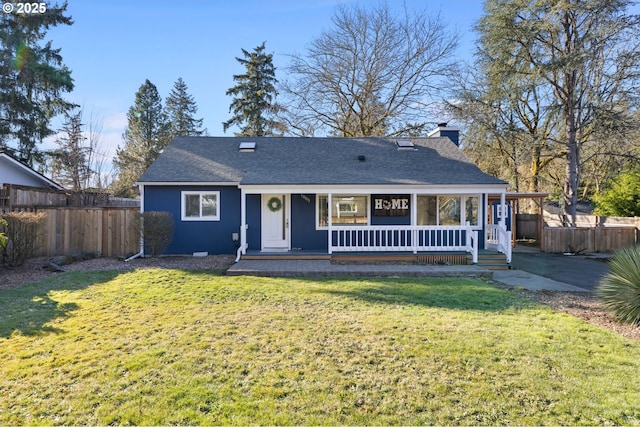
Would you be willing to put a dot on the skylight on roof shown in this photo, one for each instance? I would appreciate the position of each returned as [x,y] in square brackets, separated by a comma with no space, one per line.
[404,144]
[247,146]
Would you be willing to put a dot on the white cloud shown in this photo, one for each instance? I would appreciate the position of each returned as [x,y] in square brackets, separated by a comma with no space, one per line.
[115,122]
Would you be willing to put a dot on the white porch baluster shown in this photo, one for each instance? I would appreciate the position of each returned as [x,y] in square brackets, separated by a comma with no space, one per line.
[404,238]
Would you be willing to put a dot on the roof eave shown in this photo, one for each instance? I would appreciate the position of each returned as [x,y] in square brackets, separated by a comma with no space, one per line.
[32,172]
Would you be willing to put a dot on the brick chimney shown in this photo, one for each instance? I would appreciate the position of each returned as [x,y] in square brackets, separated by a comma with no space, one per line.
[444,130]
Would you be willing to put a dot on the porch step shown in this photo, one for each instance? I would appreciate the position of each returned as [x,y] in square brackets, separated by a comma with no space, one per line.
[491,260]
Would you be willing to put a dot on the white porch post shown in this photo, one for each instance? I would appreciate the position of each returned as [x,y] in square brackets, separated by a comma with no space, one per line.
[414,222]
[506,235]
[485,218]
[329,223]
[243,222]
[503,209]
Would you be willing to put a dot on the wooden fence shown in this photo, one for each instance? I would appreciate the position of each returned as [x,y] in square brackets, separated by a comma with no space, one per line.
[22,198]
[528,226]
[588,239]
[591,234]
[555,220]
[19,198]
[103,231]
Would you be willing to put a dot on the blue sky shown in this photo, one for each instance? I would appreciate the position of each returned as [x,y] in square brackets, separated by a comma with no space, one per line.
[113,46]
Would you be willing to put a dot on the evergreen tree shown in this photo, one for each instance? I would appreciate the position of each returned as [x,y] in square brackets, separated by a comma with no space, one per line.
[622,198]
[254,105]
[144,138]
[181,109]
[33,79]
[70,160]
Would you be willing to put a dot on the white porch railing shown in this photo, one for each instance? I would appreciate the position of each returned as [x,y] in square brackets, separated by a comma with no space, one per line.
[500,239]
[403,238]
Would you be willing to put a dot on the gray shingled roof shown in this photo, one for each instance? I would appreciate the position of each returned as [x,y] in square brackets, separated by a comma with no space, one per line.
[301,161]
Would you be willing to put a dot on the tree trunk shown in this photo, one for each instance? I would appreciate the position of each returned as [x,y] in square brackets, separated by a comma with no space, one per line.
[534,184]
[571,104]
[572,173]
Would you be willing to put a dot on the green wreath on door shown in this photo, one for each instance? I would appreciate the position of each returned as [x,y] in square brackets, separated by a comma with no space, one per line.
[274,204]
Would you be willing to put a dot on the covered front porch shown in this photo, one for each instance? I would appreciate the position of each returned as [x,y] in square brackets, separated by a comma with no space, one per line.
[370,221]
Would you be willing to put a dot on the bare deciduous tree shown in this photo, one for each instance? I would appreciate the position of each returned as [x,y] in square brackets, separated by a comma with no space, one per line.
[96,156]
[370,75]
[509,126]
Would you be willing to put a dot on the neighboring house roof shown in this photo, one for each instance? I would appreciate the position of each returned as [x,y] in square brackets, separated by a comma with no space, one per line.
[315,161]
[13,171]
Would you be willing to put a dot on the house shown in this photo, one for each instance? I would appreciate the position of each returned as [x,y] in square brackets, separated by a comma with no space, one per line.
[14,172]
[324,195]
[22,188]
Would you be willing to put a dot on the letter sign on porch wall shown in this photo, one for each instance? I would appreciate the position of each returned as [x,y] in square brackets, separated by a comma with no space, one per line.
[391,205]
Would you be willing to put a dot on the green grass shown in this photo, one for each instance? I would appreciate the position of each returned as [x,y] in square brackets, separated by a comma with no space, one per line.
[181,347]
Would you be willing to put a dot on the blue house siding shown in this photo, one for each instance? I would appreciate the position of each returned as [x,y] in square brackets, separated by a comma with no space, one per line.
[304,235]
[254,221]
[213,237]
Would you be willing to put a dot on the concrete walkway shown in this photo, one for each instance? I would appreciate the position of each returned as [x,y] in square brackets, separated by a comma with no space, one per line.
[307,268]
[533,282]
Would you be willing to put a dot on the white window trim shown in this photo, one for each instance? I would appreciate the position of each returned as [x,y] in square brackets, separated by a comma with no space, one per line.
[317,218]
[183,206]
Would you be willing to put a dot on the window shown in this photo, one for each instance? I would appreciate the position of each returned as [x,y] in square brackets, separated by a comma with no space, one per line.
[345,210]
[448,210]
[471,210]
[427,210]
[200,206]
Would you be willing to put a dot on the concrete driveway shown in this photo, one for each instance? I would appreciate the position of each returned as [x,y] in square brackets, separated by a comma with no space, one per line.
[584,271]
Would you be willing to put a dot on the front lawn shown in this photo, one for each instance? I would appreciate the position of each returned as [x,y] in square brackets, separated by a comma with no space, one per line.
[182,347]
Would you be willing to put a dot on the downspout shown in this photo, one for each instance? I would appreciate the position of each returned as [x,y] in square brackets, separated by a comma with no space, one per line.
[141,253]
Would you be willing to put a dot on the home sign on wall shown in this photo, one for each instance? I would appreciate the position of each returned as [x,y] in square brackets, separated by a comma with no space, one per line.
[390,205]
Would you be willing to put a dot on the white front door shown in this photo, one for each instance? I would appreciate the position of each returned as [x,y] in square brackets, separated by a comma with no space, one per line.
[275,222]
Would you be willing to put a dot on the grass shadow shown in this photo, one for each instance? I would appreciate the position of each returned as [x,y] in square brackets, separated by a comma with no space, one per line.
[449,293]
[30,308]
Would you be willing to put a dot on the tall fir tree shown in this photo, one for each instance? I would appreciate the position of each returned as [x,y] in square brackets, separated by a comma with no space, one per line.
[70,159]
[181,109]
[33,79]
[144,138]
[254,106]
